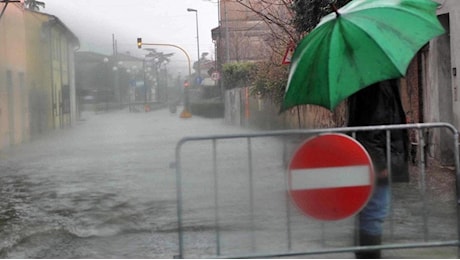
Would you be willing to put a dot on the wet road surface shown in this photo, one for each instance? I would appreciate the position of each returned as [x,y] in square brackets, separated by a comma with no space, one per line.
[101,189]
[104,189]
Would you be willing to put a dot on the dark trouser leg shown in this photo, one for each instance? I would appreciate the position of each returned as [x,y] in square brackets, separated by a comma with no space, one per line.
[369,240]
[370,222]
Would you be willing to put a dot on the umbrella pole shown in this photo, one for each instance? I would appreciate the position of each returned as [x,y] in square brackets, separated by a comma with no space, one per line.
[298,117]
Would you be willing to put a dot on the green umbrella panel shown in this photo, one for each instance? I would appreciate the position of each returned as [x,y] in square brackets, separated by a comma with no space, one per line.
[364,42]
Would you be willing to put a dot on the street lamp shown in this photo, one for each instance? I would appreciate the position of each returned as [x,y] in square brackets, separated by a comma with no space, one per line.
[118,91]
[104,94]
[197,41]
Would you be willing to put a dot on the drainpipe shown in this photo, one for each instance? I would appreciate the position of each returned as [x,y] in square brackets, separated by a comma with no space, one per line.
[73,81]
[49,23]
[421,65]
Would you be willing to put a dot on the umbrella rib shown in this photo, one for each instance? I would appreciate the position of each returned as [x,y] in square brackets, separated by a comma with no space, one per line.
[376,43]
[388,56]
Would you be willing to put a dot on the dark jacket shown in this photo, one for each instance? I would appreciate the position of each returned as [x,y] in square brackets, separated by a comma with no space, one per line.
[380,104]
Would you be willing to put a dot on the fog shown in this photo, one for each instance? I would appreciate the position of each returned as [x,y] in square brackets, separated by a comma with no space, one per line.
[160,21]
[94,162]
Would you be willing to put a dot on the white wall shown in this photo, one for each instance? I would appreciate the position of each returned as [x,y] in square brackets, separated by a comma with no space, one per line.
[441,99]
[441,73]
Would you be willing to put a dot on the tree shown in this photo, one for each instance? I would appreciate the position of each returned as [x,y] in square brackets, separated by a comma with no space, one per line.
[34,5]
[277,18]
[238,74]
[270,76]
[270,80]
[308,13]
[289,21]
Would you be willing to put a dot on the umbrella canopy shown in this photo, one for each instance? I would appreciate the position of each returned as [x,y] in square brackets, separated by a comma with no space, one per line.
[364,42]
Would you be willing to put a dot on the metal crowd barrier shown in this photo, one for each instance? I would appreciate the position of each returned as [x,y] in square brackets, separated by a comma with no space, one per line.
[232,200]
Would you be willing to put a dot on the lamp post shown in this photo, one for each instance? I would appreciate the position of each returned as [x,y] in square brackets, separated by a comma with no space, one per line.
[118,92]
[197,41]
[106,87]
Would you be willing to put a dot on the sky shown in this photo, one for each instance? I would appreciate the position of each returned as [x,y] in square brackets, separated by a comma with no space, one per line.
[155,21]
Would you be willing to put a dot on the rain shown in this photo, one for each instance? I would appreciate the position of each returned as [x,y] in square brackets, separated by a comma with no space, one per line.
[122,137]
[102,189]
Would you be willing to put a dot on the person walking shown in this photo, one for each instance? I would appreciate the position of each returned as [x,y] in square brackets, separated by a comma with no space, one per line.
[379,104]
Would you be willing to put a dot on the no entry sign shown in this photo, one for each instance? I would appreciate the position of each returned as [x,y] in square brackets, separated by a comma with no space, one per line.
[330,177]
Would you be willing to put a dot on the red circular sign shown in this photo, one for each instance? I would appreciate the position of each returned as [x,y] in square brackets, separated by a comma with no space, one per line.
[330,177]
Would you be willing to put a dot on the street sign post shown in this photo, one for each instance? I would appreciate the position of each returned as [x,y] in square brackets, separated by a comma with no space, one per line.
[330,177]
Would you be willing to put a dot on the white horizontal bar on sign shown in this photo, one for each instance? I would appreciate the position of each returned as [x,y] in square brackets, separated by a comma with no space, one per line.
[331,177]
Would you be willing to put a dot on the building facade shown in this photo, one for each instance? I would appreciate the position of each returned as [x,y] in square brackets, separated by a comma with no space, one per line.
[439,63]
[429,91]
[241,35]
[37,75]
[110,81]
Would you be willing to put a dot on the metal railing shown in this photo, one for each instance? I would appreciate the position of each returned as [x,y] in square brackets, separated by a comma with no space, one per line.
[232,200]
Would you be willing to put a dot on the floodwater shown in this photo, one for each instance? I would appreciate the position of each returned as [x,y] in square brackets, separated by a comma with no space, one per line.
[106,188]
[101,189]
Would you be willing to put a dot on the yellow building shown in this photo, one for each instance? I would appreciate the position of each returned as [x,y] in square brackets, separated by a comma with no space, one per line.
[37,78]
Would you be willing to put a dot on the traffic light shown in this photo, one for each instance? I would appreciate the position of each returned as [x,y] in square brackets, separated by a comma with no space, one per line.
[139,43]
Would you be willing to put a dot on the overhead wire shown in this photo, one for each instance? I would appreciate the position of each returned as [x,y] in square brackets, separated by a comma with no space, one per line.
[6,4]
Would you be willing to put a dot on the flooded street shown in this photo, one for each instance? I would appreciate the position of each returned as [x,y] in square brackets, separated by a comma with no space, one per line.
[105,188]
[101,189]
[100,160]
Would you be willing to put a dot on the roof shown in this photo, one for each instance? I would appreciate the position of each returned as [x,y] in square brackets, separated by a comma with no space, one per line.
[55,21]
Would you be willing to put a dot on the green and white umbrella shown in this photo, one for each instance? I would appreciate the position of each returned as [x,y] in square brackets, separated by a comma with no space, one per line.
[362,43]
